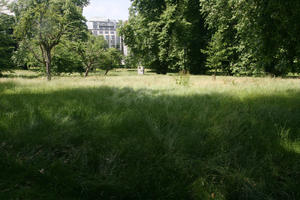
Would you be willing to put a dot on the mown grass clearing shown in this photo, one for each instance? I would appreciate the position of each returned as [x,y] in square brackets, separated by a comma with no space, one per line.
[145,137]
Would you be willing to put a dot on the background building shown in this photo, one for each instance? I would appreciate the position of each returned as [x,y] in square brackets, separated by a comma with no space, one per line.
[108,29]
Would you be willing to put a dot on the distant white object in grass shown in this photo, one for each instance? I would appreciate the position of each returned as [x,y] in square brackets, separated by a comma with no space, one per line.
[141,70]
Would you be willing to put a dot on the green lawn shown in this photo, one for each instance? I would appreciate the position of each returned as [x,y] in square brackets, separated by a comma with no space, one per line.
[145,137]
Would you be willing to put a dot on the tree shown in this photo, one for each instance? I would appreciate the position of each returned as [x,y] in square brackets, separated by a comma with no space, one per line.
[45,23]
[110,59]
[92,51]
[217,52]
[167,35]
[141,37]
[260,34]
[7,42]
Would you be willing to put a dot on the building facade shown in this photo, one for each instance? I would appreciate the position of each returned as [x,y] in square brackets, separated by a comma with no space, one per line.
[108,29]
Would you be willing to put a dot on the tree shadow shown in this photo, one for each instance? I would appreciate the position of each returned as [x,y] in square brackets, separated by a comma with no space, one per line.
[24,76]
[111,143]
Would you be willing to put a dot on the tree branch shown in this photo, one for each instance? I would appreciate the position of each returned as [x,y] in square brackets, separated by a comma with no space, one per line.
[35,55]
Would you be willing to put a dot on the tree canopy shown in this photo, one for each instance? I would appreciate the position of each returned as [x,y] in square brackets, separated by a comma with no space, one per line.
[45,24]
[233,36]
[92,52]
[259,35]
[167,35]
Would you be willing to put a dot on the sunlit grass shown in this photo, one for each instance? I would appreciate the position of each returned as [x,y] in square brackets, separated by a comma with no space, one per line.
[122,78]
[125,136]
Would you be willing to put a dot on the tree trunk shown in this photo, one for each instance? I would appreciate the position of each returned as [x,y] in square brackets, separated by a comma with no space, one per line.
[87,71]
[25,67]
[106,72]
[215,74]
[48,64]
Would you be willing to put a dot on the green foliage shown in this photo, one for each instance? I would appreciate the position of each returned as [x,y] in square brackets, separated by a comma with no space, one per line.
[165,36]
[45,24]
[236,37]
[110,59]
[94,53]
[247,37]
[141,43]
[22,57]
[65,59]
[7,42]
[131,61]
[217,52]
[262,34]
[91,51]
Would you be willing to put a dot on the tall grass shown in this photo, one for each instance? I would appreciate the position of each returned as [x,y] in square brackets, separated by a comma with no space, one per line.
[146,137]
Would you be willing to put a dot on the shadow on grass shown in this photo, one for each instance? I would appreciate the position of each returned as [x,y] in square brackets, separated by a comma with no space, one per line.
[109,143]
[24,76]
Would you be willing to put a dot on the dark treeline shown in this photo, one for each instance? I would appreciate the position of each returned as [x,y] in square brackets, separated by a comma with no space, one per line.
[7,42]
[236,37]
[233,37]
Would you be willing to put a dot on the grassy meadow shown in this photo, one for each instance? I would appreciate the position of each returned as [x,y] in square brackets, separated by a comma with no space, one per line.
[148,137]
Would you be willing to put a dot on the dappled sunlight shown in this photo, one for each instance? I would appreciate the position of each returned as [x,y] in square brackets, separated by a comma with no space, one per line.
[293,146]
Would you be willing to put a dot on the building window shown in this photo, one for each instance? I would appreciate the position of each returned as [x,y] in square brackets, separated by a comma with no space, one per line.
[100,32]
[95,32]
[112,32]
[106,32]
[95,25]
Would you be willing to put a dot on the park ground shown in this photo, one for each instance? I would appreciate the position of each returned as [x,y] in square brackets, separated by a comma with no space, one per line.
[125,136]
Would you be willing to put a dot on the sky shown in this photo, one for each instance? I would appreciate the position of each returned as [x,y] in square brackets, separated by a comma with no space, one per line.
[112,9]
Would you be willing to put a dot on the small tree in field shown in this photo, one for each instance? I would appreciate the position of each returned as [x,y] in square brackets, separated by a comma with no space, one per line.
[112,58]
[92,52]
[216,52]
[44,23]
